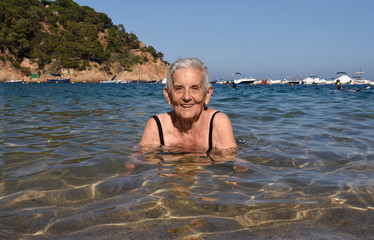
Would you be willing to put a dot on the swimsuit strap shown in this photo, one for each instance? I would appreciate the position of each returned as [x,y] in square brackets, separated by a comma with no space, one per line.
[211,132]
[160,133]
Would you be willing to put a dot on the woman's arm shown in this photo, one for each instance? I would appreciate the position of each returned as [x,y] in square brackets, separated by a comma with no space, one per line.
[223,135]
[150,135]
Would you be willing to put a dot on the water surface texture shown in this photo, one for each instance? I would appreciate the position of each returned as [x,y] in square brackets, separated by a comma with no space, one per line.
[71,168]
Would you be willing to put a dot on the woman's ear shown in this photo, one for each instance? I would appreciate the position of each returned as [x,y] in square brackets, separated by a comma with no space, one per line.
[167,97]
[208,95]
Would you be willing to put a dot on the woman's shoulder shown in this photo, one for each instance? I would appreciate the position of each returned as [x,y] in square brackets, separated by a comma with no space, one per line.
[221,118]
[223,136]
[163,116]
[218,115]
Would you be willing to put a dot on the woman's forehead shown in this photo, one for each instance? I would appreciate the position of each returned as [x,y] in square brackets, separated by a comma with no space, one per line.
[188,75]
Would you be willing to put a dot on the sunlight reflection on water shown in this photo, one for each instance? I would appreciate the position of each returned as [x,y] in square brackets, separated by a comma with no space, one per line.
[70,169]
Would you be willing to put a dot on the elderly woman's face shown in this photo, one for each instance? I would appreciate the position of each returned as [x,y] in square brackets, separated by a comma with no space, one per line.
[187,95]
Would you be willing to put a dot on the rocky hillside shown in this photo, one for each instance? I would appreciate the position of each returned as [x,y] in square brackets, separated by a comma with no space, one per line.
[45,37]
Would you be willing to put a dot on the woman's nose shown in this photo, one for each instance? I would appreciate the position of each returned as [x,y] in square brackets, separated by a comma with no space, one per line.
[186,95]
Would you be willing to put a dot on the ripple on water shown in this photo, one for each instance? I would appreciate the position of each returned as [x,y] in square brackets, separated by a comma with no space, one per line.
[70,170]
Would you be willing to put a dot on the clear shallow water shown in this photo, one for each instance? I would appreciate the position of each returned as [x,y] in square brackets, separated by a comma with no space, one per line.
[305,168]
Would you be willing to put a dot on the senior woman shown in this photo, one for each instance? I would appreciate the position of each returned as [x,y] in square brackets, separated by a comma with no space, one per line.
[191,124]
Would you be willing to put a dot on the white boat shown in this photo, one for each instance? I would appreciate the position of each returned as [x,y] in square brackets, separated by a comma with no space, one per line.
[358,79]
[113,80]
[343,78]
[313,80]
[110,81]
[223,82]
[243,80]
[161,81]
[278,81]
[15,81]
[309,80]
[257,82]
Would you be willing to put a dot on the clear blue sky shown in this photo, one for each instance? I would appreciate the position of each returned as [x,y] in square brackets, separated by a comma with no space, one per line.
[259,38]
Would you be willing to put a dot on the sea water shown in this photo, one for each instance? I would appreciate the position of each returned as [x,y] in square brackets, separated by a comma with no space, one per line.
[71,168]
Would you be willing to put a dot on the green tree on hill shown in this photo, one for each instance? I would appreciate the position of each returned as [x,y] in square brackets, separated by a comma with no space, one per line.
[45,30]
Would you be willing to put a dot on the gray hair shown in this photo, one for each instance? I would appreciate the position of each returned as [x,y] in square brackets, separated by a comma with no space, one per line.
[187,63]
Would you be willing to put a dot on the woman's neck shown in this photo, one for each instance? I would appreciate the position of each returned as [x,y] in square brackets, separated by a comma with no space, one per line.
[186,126]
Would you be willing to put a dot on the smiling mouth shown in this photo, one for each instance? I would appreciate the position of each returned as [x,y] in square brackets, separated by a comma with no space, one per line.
[187,105]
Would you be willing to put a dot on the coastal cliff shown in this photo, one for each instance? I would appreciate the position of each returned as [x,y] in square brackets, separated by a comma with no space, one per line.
[154,69]
[40,37]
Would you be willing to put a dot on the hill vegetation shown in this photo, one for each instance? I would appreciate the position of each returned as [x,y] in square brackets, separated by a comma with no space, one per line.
[63,34]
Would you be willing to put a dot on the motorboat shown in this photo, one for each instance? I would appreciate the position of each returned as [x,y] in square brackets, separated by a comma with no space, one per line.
[309,80]
[223,82]
[15,81]
[242,80]
[313,80]
[358,79]
[271,81]
[293,82]
[57,79]
[112,80]
[343,78]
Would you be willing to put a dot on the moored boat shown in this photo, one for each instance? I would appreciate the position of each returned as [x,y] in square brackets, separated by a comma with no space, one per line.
[110,81]
[358,79]
[113,80]
[343,78]
[313,80]
[15,81]
[293,82]
[58,79]
[243,80]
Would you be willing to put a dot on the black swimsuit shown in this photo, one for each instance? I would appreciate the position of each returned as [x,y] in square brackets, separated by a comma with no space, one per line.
[161,134]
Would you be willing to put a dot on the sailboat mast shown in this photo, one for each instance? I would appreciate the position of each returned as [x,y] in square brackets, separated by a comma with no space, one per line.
[360,72]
